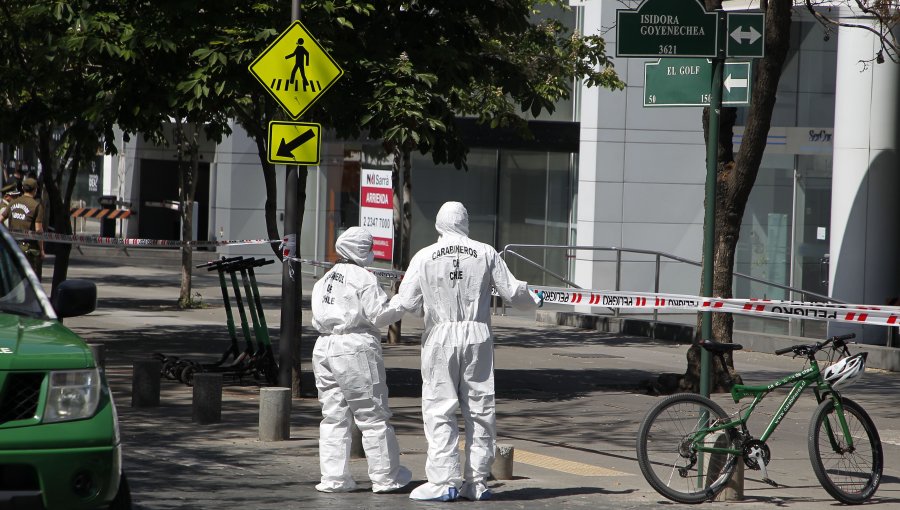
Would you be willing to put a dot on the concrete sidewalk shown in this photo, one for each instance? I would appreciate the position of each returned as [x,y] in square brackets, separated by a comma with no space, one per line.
[569,401]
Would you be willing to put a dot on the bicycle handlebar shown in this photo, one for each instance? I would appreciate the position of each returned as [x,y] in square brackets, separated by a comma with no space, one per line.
[812,349]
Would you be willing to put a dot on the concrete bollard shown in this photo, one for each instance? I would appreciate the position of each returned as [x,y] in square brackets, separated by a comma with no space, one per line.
[207,403]
[274,414]
[734,489]
[99,353]
[503,462]
[356,446]
[145,383]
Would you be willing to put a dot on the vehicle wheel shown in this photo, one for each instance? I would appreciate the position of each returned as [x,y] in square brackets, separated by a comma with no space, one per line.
[667,453]
[123,497]
[850,475]
[187,375]
[168,368]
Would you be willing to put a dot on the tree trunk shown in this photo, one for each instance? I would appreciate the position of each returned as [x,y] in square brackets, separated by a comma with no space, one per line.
[403,224]
[82,146]
[735,179]
[187,179]
[255,122]
[271,206]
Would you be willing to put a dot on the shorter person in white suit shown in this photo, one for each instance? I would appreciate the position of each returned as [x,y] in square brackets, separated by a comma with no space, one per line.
[349,308]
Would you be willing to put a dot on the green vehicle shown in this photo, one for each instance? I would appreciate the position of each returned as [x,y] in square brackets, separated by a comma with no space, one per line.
[59,436]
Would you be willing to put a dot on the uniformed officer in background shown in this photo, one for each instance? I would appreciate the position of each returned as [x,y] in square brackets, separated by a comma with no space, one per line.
[26,213]
[8,193]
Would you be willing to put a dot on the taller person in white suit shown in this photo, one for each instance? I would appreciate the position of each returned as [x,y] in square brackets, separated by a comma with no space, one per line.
[452,280]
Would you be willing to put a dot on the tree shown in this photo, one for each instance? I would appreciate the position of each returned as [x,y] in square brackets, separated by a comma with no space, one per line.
[54,91]
[736,174]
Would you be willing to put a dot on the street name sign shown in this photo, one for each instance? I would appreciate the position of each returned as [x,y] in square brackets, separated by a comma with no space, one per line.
[295,70]
[688,82]
[294,143]
[746,31]
[667,28]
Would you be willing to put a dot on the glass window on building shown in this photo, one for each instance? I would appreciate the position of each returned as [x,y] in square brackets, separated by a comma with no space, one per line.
[534,208]
[785,237]
[513,197]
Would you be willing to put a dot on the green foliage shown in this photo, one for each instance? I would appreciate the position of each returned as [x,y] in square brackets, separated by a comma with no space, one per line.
[411,67]
[496,61]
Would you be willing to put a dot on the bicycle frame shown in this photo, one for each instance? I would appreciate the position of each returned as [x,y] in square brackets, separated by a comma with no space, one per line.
[810,376]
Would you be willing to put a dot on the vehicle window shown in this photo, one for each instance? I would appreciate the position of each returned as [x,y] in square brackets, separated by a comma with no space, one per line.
[16,294]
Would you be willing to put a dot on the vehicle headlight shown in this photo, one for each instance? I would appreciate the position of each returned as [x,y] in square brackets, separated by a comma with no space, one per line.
[72,395]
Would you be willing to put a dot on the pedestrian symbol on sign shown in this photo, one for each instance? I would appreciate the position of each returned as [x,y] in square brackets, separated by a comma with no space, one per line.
[295,70]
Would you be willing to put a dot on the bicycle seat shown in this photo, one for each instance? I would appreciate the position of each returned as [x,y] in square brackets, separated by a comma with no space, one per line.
[711,346]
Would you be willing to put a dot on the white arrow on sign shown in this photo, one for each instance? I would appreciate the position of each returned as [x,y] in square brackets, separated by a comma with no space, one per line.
[730,82]
[751,35]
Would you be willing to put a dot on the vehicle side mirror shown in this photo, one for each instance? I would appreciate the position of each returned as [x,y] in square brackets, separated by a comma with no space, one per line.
[74,298]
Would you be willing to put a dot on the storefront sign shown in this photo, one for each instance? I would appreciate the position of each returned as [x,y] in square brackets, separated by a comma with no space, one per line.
[376,210]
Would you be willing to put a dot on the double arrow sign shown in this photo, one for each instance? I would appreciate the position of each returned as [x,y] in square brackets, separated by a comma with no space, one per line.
[751,35]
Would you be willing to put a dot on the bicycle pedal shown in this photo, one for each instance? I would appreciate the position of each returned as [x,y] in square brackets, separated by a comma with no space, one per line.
[771,482]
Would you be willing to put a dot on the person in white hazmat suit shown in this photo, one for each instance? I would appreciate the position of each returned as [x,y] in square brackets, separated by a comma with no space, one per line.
[349,308]
[452,281]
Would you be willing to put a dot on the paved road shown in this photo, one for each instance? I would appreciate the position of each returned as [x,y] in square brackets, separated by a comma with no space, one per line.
[569,401]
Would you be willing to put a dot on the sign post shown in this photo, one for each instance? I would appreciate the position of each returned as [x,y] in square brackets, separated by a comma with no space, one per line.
[683,28]
[295,70]
[709,216]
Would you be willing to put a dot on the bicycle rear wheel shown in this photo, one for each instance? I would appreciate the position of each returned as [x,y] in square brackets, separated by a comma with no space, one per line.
[850,475]
[667,448]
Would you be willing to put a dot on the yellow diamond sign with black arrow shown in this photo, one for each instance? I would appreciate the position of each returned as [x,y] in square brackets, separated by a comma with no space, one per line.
[295,70]
[294,143]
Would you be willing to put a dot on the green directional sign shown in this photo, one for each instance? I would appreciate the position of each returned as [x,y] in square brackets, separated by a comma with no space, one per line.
[746,35]
[687,82]
[667,28]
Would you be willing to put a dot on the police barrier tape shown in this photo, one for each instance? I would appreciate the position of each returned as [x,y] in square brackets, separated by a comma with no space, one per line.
[856,314]
[93,240]
[848,313]
[389,274]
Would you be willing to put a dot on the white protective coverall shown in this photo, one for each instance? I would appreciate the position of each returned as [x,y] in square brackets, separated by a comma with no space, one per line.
[348,309]
[452,281]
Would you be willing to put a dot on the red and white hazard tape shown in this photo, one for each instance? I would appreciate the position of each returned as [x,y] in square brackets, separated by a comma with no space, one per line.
[389,274]
[848,313]
[92,240]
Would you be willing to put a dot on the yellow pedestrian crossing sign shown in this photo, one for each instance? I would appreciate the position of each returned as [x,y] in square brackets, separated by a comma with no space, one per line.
[294,143]
[295,70]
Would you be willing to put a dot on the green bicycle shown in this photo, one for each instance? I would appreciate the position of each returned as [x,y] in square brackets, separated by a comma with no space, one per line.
[688,447]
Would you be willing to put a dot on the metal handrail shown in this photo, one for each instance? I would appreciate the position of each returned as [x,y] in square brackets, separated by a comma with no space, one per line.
[508,249]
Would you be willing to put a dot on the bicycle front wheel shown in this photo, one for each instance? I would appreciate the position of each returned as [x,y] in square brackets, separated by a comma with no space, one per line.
[850,475]
[668,445]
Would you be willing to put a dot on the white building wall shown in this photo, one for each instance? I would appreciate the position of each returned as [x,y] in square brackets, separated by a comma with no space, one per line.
[865,213]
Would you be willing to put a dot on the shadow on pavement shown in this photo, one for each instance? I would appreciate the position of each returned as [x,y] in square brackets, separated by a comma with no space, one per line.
[537,493]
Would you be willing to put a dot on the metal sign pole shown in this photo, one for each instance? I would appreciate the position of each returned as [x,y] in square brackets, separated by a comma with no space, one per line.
[290,275]
[709,219]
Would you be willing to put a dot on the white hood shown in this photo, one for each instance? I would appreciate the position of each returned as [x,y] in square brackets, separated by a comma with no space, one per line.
[452,219]
[356,245]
